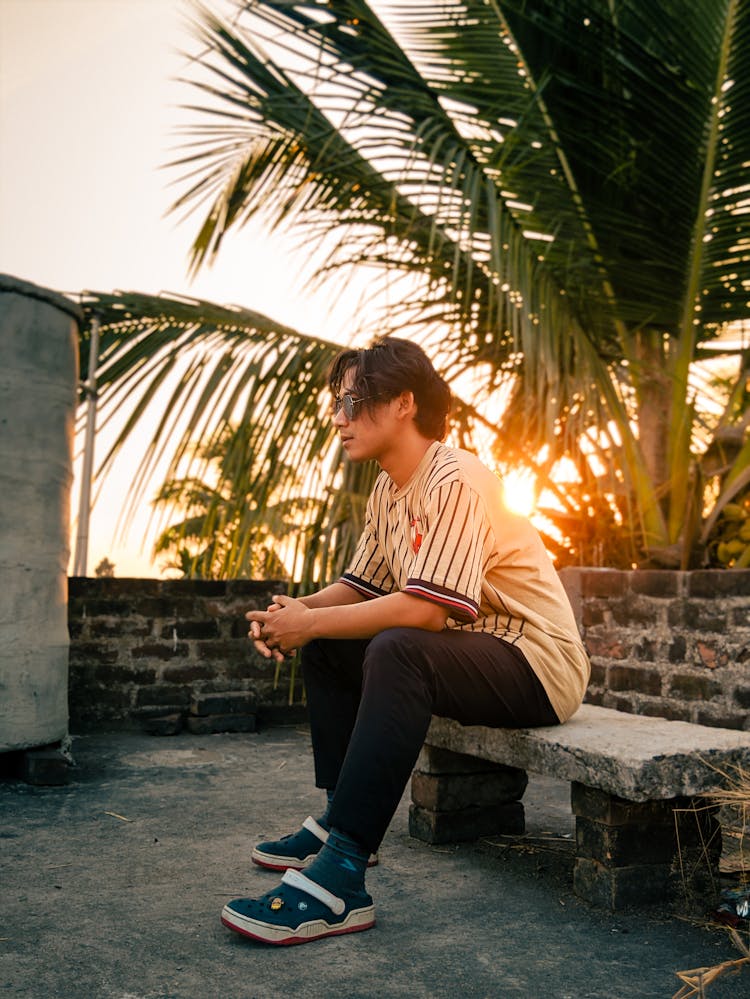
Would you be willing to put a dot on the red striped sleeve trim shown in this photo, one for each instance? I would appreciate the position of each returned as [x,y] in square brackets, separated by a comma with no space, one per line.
[462,605]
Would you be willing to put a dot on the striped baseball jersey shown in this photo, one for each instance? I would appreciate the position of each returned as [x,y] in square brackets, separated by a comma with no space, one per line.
[447,536]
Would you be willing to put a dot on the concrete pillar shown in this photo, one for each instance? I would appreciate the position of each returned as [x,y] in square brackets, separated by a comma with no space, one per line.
[38,385]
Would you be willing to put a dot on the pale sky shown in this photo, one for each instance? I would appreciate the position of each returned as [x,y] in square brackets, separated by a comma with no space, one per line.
[88,116]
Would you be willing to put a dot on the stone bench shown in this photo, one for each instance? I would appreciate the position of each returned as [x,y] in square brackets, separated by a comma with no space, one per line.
[645,832]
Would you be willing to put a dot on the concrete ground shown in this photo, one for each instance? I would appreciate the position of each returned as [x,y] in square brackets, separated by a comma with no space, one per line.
[111,888]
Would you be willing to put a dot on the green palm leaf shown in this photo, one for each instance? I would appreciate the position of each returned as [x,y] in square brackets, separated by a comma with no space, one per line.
[559,189]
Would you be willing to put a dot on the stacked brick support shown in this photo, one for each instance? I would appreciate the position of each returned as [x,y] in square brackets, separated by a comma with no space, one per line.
[645,853]
[457,797]
[143,649]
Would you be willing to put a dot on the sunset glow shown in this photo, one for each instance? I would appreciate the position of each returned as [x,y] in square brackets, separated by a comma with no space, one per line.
[519,490]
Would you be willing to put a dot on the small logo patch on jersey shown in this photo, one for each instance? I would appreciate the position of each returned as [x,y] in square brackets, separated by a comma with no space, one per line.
[416,535]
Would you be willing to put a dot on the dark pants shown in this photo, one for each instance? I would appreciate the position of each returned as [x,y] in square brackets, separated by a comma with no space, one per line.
[371,703]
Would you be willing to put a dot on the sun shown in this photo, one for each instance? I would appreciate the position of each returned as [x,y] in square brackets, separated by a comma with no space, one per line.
[518,487]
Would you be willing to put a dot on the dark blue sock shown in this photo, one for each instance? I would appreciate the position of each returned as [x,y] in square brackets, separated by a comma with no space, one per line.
[341,864]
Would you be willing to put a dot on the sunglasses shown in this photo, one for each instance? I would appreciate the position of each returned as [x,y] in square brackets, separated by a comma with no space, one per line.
[349,404]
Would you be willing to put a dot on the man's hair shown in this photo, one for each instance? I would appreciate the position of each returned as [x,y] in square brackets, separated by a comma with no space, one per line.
[388,368]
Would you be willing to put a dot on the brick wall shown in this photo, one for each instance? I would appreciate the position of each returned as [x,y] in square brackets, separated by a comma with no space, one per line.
[141,648]
[675,644]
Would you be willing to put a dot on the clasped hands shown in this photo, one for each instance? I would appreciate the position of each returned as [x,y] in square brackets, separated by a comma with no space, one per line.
[281,629]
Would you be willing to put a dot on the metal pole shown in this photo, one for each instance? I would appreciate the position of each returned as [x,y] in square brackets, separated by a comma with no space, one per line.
[84,504]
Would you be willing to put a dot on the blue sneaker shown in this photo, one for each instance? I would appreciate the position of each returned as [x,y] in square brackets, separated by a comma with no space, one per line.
[296,851]
[298,911]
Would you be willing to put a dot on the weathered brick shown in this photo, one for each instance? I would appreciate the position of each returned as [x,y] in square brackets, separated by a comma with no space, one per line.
[239,628]
[677,649]
[617,888]
[676,613]
[151,607]
[721,718]
[609,645]
[634,610]
[694,687]
[128,674]
[603,582]
[719,582]
[467,823]
[226,703]
[224,651]
[94,652]
[148,711]
[599,806]
[255,588]
[620,702]
[598,674]
[195,587]
[666,709]
[646,650]
[159,650]
[163,694]
[622,845]
[190,629]
[701,615]
[711,655]
[253,668]
[107,628]
[594,696]
[740,616]
[655,582]
[45,767]
[102,586]
[109,700]
[99,607]
[187,672]
[163,724]
[593,614]
[434,760]
[647,681]
[449,793]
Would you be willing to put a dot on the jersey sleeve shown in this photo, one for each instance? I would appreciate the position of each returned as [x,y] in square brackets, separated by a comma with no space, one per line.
[453,551]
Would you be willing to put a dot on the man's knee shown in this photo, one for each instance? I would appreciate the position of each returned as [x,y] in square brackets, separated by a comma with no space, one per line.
[396,650]
[392,639]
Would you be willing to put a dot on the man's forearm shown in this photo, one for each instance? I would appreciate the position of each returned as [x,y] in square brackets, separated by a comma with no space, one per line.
[335,595]
[367,618]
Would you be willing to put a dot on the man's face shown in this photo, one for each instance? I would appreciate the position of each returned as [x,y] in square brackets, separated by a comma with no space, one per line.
[368,433]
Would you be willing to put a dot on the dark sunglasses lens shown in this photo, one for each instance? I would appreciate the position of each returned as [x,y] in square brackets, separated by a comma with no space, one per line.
[348,405]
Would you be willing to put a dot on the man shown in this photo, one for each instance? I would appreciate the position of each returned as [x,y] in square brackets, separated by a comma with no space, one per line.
[450,606]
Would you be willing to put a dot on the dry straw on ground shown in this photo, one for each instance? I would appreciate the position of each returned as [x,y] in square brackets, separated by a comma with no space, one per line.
[733,801]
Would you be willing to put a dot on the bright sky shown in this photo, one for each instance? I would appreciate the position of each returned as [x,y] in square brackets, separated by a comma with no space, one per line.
[88,115]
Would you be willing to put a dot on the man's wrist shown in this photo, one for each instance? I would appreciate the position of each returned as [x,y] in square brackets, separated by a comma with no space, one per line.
[313,617]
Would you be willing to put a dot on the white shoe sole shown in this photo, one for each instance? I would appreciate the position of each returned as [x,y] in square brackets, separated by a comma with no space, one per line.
[255,929]
[278,863]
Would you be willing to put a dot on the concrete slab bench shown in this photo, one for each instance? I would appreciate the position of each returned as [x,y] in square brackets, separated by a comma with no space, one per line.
[645,832]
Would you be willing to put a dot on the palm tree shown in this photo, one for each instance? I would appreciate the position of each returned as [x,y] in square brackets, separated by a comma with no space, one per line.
[561,188]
